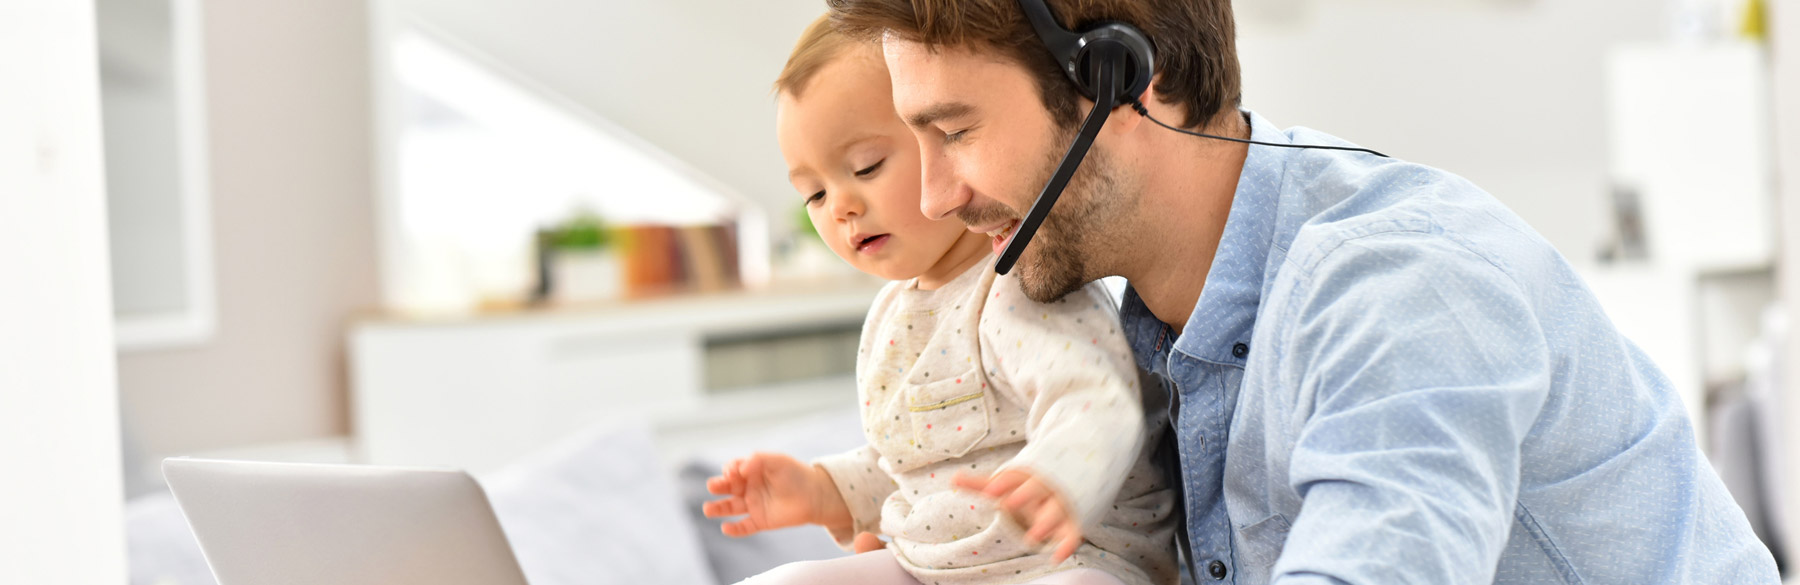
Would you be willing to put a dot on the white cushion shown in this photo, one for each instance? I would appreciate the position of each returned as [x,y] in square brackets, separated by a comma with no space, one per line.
[597,509]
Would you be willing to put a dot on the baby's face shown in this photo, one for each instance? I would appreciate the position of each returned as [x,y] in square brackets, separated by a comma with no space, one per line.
[857,167]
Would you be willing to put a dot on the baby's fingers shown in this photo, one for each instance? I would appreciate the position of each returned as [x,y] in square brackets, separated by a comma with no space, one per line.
[1005,482]
[970,482]
[1071,540]
[731,478]
[1049,520]
[740,529]
[725,507]
[720,485]
[1027,495]
[751,466]
[867,542]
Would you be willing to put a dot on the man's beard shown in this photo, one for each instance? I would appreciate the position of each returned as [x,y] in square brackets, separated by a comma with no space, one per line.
[1056,262]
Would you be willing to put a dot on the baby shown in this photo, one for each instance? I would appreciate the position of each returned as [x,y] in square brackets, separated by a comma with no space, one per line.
[1007,439]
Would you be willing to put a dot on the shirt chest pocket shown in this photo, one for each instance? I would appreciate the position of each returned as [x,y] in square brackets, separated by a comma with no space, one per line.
[1259,546]
[949,416]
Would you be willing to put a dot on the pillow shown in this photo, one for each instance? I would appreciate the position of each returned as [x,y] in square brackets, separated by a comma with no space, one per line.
[161,547]
[734,559]
[595,509]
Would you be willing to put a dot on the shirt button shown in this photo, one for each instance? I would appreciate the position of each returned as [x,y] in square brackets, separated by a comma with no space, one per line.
[1240,350]
[1217,569]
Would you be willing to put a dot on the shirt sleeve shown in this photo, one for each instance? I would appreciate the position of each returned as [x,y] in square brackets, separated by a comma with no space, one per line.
[1069,363]
[863,485]
[1423,366]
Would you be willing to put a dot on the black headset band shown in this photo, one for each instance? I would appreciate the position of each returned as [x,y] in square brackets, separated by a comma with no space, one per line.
[1062,43]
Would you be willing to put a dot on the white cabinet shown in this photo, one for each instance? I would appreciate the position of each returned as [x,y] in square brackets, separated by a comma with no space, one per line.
[1689,133]
[1689,153]
[480,391]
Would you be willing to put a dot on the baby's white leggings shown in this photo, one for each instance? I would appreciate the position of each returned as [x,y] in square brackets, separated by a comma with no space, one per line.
[880,568]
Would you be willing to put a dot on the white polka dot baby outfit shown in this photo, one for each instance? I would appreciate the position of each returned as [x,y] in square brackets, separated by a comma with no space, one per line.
[974,377]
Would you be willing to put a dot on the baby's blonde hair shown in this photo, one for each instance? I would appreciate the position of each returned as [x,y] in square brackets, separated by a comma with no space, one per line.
[818,46]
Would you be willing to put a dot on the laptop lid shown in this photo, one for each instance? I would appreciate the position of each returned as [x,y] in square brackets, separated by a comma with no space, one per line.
[302,524]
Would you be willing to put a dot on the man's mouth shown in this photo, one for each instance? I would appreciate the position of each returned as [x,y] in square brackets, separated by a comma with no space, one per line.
[1002,234]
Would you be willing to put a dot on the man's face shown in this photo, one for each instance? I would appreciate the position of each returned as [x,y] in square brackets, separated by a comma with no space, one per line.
[987,146]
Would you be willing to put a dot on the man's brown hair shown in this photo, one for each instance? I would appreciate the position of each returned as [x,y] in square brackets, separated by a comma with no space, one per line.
[817,47]
[1196,46]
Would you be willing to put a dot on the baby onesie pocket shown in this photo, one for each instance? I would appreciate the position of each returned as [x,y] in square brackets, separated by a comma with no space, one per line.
[949,416]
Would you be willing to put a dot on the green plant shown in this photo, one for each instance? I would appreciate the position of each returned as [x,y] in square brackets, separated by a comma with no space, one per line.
[803,222]
[584,230]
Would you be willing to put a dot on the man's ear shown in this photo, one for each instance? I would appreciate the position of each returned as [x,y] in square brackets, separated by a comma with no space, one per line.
[1124,119]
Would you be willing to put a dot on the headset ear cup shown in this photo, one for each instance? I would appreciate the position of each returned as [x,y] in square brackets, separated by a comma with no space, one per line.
[1074,52]
[1139,56]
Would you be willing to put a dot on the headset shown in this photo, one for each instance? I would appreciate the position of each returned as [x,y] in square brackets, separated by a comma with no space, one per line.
[1109,62]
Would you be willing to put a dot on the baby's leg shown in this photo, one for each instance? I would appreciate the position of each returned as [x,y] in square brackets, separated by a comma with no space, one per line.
[872,568]
[1078,577]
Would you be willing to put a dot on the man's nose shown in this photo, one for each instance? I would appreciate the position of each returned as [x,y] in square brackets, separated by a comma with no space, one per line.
[944,193]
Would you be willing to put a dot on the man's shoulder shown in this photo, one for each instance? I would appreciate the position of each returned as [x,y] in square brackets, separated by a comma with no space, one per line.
[1330,200]
[1366,236]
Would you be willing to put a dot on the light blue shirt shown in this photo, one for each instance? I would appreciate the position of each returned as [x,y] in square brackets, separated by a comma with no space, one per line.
[1390,378]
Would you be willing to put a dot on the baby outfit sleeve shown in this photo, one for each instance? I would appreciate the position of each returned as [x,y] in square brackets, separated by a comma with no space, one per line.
[863,485]
[1070,363]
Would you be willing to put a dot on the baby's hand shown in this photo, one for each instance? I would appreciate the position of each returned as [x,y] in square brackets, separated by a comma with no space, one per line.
[867,542]
[1034,504]
[774,491]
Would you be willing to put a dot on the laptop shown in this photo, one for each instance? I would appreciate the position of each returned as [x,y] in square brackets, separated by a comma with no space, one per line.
[301,524]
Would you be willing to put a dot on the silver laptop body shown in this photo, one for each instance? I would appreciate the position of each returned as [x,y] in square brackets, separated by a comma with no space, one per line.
[301,524]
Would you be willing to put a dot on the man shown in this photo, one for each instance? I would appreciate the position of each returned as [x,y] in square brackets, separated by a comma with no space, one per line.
[1380,374]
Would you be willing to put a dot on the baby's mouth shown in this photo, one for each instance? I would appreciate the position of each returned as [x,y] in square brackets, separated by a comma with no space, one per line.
[870,243]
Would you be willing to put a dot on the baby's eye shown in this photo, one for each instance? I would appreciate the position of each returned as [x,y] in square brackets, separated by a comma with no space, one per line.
[810,199]
[871,169]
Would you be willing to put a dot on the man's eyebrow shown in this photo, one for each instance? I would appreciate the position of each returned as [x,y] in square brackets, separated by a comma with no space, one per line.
[938,112]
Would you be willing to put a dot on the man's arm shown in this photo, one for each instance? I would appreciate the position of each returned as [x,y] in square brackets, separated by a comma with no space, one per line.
[1419,368]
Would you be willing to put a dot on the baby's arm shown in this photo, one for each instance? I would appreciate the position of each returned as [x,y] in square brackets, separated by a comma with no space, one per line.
[1069,363]
[861,486]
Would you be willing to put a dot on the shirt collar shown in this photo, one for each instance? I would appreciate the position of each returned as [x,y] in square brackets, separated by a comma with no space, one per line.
[1226,312]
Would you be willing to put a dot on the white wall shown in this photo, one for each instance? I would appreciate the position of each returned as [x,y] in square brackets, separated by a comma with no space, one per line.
[60,516]
[1784,33]
[1509,94]
[1505,92]
[293,230]
[691,76]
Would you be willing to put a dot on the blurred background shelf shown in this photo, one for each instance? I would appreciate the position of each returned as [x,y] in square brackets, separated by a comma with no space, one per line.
[480,391]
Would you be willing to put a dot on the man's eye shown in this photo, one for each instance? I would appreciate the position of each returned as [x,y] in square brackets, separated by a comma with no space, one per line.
[871,169]
[815,197]
[956,136]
